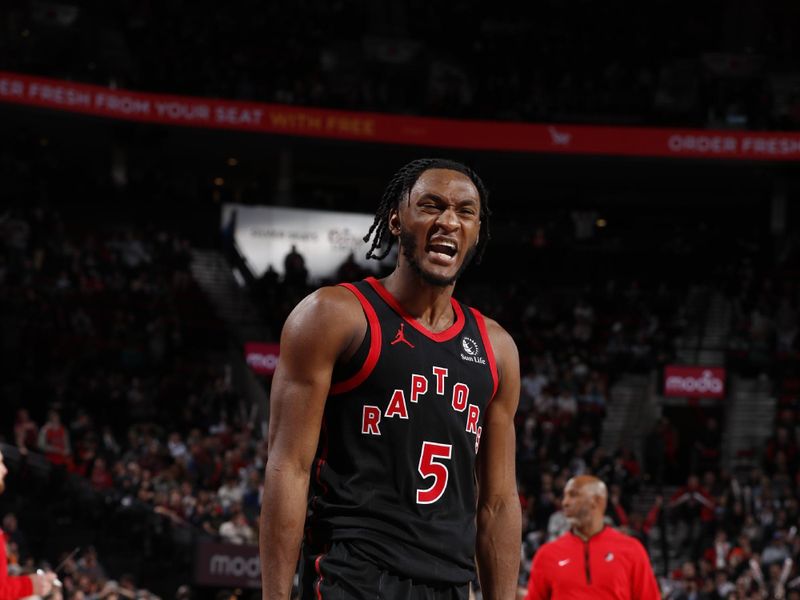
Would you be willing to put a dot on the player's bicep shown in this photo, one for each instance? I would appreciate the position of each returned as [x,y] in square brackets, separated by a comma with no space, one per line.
[496,458]
[314,336]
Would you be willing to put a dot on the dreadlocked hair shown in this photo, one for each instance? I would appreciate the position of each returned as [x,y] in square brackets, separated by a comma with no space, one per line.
[400,187]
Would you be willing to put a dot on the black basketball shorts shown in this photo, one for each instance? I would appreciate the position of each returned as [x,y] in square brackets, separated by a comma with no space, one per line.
[343,573]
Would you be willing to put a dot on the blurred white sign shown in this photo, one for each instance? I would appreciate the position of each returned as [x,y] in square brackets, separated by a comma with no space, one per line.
[266,234]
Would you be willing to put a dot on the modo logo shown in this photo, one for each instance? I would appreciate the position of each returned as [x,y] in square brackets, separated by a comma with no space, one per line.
[707,383]
[235,566]
[262,361]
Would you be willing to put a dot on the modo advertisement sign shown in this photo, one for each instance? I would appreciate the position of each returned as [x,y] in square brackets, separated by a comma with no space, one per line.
[227,565]
[694,382]
[262,357]
[266,234]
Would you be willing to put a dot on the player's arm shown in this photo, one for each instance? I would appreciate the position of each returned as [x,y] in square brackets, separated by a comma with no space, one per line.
[499,512]
[323,327]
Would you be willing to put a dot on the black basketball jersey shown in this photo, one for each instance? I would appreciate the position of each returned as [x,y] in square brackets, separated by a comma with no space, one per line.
[394,474]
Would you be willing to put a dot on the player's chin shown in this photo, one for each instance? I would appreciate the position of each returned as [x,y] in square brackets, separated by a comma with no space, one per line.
[438,278]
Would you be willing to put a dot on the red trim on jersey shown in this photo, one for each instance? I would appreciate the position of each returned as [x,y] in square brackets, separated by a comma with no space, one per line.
[318,583]
[488,345]
[442,336]
[374,346]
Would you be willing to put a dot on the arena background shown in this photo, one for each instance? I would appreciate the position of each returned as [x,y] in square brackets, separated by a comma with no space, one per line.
[630,236]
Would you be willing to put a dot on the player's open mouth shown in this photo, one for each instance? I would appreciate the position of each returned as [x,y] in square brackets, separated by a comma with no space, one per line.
[442,251]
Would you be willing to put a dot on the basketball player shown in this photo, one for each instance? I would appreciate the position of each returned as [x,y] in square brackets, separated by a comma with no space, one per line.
[11,588]
[591,560]
[396,403]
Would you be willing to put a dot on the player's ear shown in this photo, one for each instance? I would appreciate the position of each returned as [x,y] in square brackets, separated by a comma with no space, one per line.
[394,222]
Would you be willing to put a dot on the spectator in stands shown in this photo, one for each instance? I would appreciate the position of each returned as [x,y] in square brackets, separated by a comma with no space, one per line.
[782,442]
[350,270]
[231,491]
[26,432]
[100,476]
[693,506]
[253,492]
[54,440]
[89,564]
[707,447]
[661,452]
[177,448]
[108,443]
[237,530]
[294,265]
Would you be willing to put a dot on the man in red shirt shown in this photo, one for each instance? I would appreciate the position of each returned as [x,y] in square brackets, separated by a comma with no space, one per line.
[12,588]
[591,561]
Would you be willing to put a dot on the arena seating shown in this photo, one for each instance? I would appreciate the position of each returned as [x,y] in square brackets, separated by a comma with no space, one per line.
[509,66]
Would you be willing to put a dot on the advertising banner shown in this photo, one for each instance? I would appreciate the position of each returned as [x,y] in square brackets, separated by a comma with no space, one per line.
[262,357]
[265,235]
[227,565]
[694,382]
[280,119]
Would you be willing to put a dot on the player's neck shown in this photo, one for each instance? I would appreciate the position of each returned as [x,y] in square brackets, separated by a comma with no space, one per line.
[428,303]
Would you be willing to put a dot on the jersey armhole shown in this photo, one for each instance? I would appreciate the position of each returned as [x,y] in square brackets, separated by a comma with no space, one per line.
[487,343]
[361,375]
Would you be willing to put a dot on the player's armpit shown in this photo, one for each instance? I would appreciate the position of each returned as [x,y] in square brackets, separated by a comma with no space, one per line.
[323,327]
[499,513]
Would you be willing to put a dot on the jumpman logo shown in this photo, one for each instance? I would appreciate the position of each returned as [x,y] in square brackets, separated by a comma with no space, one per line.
[401,337]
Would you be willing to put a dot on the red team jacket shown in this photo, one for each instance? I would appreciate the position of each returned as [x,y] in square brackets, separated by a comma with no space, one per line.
[609,565]
[11,588]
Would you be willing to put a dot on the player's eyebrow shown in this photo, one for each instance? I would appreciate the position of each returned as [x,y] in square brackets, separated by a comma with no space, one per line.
[438,198]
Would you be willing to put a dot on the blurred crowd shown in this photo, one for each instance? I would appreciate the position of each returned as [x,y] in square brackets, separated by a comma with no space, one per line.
[115,371]
[731,65]
[737,535]
[80,573]
[210,479]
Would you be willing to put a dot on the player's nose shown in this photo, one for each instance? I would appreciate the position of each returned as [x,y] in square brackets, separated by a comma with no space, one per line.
[448,219]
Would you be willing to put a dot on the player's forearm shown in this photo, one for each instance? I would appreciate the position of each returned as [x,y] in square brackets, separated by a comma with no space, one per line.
[283,513]
[498,547]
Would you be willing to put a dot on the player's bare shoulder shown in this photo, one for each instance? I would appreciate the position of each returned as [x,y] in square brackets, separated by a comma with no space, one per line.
[331,314]
[504,348]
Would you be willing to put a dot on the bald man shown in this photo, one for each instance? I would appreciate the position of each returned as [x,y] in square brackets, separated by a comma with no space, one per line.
[591,560]
[12,588]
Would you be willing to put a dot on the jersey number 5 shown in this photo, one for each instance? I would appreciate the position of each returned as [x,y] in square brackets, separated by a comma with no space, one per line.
[430,467]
